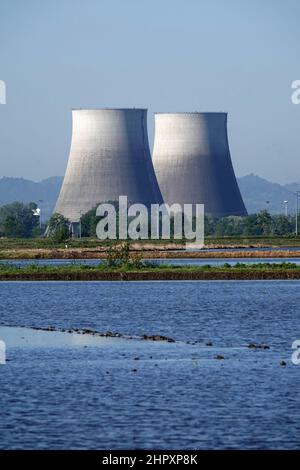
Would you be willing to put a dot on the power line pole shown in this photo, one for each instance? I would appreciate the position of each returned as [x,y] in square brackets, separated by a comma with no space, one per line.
[40,204]
[297,193]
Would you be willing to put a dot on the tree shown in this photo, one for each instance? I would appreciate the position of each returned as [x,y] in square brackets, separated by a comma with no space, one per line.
[89,220]
[283,225]
[250,227]
[89,223]
[58,228]
[120,256]
[264,222]
[18,220]
[209,225]
[229,226]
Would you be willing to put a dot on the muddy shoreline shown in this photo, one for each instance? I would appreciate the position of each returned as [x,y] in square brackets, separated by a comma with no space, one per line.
[178,275]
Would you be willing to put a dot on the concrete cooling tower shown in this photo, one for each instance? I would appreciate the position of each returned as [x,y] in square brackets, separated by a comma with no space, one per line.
[192,162]
[109,157]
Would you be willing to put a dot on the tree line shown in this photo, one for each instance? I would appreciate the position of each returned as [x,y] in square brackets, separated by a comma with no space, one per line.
[20,220]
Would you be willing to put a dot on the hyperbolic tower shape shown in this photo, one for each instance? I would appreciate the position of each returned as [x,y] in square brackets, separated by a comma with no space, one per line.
[109,157]
[192,162]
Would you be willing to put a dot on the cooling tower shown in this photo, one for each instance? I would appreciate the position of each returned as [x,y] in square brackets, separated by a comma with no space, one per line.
[109,157]
[192,162]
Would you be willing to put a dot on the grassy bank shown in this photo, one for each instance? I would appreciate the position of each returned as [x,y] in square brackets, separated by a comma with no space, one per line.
[101,253]
[150,272]
[43,248]
[246,241]
[78,243]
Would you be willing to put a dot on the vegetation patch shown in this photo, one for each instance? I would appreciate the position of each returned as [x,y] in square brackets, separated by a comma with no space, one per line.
[148,271]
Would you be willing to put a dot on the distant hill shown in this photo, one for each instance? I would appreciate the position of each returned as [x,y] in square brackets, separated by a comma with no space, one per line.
[293,187]
[256,192]
[20,189]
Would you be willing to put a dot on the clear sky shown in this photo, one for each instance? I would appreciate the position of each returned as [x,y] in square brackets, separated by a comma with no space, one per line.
[167,55]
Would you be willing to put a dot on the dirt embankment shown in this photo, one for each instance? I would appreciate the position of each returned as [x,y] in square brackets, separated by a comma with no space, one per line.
[101,253]
[155,275]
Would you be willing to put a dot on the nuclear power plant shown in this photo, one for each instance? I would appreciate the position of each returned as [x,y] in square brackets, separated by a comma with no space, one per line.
[109,157]
[192,162]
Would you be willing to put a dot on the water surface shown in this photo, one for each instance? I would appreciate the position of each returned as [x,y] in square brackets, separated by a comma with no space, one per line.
[160,261]
[120,394]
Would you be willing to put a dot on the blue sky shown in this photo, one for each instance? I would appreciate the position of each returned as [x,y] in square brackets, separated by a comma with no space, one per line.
[169,55]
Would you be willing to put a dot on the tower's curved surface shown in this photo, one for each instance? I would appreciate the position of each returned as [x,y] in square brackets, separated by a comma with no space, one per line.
[192,162]
[109,157]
